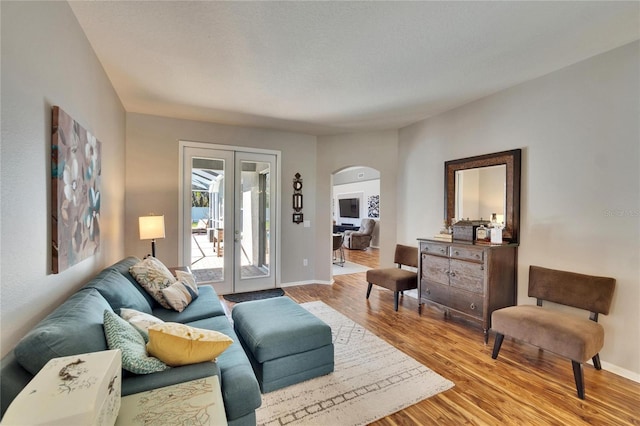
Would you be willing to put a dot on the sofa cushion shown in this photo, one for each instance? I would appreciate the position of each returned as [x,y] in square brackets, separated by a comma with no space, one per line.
[179,344]
[122,335]
[153,276]
[141,321]
[240,389]
[206,305]
[75,327]
[123,267]
[118,291]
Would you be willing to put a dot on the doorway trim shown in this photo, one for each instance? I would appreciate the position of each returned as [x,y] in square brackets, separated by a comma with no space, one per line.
[234,148]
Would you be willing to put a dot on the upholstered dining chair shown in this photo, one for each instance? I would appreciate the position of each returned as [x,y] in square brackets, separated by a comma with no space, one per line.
[396,279]
[360,239]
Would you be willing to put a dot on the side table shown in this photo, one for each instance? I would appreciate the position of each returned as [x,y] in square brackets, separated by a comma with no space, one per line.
[197,402]
[79,389]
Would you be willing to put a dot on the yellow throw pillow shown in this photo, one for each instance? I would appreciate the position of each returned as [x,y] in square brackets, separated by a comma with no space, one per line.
[178,344]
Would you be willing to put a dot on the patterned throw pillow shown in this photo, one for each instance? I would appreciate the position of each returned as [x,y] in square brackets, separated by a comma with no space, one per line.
[140,320]
[188,278]
[178,344]
[181,293]
[122,335]
[153,276]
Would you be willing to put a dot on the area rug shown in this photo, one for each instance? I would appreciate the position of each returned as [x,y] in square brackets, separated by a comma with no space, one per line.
[254,295]
[372,380]
[349,268]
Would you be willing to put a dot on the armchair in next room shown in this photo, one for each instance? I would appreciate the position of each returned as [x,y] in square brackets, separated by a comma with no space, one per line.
[360,239]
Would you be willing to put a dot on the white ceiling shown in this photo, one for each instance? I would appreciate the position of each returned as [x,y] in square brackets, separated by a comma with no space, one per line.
[335,67]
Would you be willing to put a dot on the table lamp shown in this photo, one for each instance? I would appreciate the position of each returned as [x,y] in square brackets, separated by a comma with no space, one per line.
[151,227]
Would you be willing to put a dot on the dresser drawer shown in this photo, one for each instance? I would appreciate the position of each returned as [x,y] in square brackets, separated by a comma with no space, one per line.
[468,253]
[466,302]
[435,292]
[435,268]
[435,248]
[467,275]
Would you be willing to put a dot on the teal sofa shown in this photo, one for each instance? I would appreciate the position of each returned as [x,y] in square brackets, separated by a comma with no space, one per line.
[75,327]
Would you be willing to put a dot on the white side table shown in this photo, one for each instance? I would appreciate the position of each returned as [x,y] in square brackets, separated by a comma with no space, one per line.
[74,390]
[198,402]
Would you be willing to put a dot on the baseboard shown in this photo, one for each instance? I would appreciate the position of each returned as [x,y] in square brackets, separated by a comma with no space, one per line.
[291,284]
[627,374]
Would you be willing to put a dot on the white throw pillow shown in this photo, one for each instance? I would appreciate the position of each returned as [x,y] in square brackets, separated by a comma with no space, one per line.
[140,320]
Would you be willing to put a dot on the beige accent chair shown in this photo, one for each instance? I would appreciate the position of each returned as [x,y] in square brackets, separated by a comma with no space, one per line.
[360,239]
[565,334]
[396,279]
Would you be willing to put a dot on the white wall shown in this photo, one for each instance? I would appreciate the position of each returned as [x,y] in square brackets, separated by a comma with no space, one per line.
[580,211]
[46,61]
[152,183]
[377,150]
[360,190]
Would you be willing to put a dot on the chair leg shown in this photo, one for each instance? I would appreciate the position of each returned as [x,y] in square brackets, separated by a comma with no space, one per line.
[395,300]
[596,362]
[579,376]
[369,290]
[496,345]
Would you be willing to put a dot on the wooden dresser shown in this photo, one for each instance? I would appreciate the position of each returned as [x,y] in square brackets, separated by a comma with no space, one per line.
[468,279]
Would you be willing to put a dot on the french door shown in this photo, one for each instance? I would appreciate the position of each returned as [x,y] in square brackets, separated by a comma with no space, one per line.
[229,217]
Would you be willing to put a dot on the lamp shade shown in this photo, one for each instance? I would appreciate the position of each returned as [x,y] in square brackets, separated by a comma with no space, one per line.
[151,227]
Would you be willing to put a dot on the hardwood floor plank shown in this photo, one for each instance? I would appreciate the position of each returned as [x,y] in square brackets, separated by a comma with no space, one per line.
[524,386]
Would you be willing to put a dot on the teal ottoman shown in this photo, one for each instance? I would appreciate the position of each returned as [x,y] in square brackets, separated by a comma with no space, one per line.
[284,342]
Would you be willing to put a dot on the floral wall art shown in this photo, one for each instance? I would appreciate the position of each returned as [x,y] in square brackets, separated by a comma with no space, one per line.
[374,206]
[75,192]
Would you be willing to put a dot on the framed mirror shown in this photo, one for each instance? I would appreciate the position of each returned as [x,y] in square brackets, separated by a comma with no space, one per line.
[479,187]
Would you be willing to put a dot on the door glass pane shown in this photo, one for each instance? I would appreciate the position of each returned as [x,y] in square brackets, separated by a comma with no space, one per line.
[254,219]
[207,219]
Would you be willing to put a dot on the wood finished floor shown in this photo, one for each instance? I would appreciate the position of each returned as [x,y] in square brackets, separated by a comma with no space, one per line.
[524,386]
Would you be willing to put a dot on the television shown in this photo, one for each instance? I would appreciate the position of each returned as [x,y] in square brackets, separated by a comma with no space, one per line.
[349,207]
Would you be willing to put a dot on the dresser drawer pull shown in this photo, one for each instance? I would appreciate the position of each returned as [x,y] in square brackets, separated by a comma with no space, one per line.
[473,306]
[442,250]
[477,256]
[452,274]
[457,252]
[482,267]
